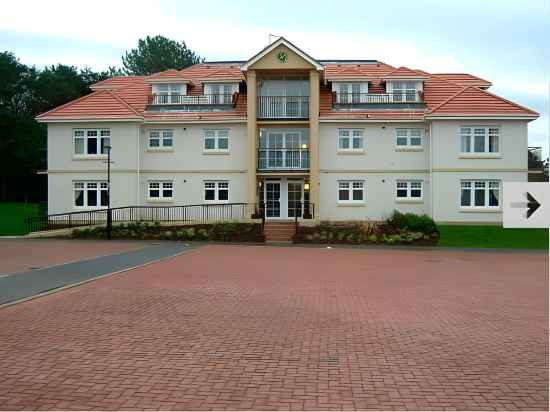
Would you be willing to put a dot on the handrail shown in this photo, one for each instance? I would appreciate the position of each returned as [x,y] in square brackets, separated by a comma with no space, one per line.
[408,96]
[185,213]
[185,99]
[283,159]
[283,107]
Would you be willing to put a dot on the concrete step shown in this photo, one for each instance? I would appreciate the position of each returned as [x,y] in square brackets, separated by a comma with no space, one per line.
[279,231]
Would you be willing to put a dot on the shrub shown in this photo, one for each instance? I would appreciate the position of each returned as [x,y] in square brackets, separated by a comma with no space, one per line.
[412,222]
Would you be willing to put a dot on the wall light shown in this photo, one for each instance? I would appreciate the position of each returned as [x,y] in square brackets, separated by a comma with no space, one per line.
[306,186]
[304,145]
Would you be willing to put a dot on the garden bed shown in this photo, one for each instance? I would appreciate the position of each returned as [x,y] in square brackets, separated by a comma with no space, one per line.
[220,232]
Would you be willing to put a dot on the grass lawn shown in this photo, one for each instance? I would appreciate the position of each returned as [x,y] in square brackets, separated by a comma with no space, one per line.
[12,217]
[492,237]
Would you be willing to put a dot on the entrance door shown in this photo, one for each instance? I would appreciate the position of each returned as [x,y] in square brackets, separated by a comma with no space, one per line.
[272,199]
[294,199]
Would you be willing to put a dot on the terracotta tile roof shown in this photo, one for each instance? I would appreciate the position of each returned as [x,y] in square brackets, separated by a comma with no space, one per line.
[444,94]
[116,82]
[167,76]
[465,79]
[473,101]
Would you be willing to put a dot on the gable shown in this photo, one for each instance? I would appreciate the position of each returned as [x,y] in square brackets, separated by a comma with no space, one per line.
[272,60]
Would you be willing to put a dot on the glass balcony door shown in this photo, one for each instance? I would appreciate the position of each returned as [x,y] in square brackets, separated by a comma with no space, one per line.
[283,150]
[283,198]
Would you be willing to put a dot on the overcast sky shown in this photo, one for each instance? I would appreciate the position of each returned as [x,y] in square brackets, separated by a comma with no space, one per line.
[504,41]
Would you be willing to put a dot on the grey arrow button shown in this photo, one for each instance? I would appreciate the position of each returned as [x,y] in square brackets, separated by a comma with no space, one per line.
[532,205]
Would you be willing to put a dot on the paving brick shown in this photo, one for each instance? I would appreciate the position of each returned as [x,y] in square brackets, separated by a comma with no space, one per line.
[274,328]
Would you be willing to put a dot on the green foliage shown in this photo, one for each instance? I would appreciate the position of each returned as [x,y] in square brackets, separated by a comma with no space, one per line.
[412,222]
[157,54]
[490,236]
[12,217]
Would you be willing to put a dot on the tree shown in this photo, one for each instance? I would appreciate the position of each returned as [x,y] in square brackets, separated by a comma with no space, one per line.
[16,82]
[156,54]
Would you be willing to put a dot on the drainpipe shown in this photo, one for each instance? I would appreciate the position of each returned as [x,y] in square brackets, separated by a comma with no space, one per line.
[432,185]
[138,165]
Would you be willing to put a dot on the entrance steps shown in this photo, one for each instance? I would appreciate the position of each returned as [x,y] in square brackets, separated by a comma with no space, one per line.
[279,231]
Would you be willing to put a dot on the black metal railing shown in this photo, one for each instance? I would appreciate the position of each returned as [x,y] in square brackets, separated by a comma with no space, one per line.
[199,100]
[283,107]
[219,212]
[283,159]
[411,96]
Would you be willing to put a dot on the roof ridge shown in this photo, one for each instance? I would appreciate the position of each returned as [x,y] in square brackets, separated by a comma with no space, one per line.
[449,99]
[81,98]
[124,102]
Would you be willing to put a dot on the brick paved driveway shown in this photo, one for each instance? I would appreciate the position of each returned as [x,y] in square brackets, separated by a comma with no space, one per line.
[288,328]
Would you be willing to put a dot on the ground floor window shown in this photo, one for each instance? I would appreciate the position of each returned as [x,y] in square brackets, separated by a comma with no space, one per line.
[161,190]
[351,191]
[409,189]
[91,194]
[216,191]
[480,193]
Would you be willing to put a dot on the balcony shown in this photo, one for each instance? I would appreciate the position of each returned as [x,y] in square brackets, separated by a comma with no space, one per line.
[396,99]
[283,159]
[283,107]
[205,102]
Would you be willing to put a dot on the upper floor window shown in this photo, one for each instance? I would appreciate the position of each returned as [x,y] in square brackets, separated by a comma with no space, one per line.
[161,190]
[91,194]
[411,138]
[479,139]
[216,140]
[355,92]
[403,91]
[169,93]
[351,191]
[161,139]
[480,193]
[409,189]
[220,93]
[350,140]
[91,142]
[216,191]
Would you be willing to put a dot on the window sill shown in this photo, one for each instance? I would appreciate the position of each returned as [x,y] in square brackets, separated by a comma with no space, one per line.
[480,210]
[89,157]
[351,204]
[89,208]
[216,152]
[151,200]
[162,149]
[415,201]
[350,152]
[479,156]
[408,149]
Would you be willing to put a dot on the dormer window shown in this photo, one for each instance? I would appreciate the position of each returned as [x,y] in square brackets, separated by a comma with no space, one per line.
[169,93]
[351,92]
[220,93]
[403,91]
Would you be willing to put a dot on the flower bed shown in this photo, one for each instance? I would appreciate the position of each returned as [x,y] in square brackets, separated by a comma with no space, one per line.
[221,232]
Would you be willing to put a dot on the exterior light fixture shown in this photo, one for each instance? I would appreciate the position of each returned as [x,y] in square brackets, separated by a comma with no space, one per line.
[304,145]
[306,186]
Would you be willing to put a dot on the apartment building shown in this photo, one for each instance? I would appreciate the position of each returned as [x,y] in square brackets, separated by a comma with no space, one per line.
[335,140]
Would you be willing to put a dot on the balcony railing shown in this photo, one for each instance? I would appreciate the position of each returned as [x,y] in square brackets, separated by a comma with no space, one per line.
[283,107]
[200,100]
[368,98]
[283,159]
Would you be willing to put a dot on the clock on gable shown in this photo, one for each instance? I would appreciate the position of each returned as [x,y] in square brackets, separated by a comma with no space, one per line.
[282,56]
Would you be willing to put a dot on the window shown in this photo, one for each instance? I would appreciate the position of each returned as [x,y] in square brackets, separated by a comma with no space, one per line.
[216,191]
[168,93]
[404,92]
[480,193]
[479,139]
[161,190]
[220,93]
[91,194]
[216,140]
[411,138]
[161,139]
[409,189]
[91,142]
[351,191]
[350,139]
[351,92]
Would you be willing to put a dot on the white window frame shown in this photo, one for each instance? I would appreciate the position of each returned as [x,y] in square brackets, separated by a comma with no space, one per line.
[161,186]
[487,185]
[400,90]
[352,136]
[103,138]
[216,136]
[352,185]
[216,185]
[163,135]
[409,186]
[86,186]
[469,133]
[345,93]
[407,133]
[220,93]
[173,93]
